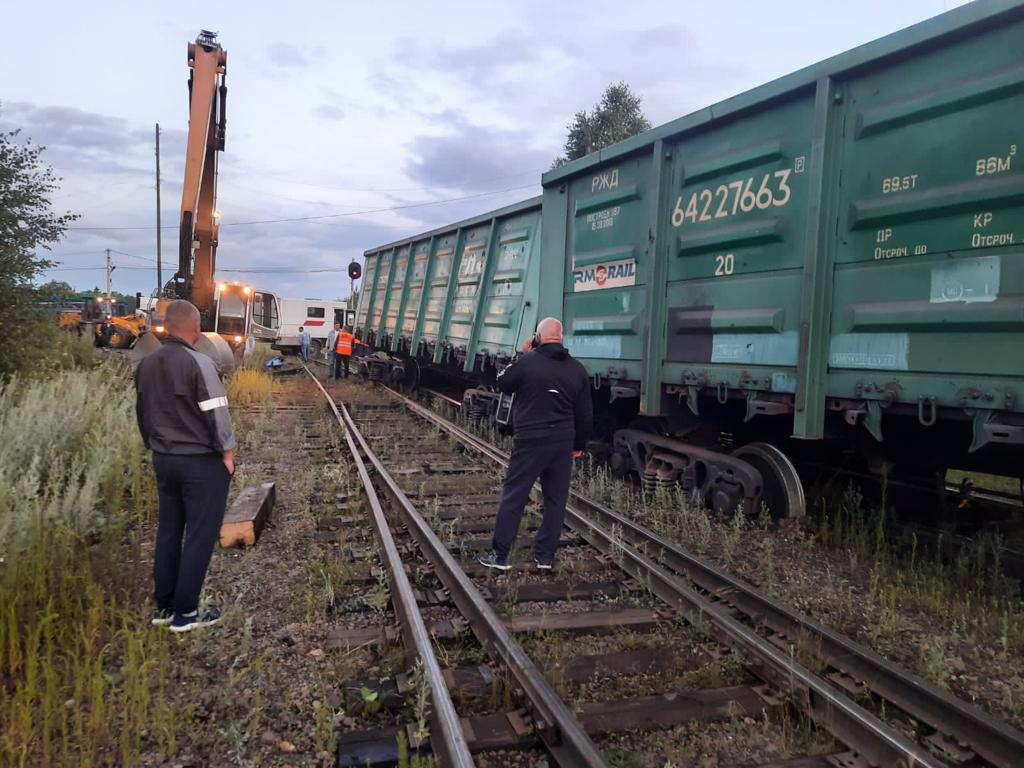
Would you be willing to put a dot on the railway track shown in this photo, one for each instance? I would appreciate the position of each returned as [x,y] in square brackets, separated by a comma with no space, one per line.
[951,545]
[878,713]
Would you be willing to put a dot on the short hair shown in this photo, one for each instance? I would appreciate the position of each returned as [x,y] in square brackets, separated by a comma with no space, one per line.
[550,328]
[302,327]
[180,315]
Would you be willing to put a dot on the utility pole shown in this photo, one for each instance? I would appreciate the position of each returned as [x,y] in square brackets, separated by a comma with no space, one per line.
[159,266]
[110,270]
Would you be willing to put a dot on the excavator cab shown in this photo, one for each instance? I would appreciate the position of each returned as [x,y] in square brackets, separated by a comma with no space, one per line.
[234,311]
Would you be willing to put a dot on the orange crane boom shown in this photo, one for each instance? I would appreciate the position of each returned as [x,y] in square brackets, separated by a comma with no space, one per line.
[224,310]
[199,227]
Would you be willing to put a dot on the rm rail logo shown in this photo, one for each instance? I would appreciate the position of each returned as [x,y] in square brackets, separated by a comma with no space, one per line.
[613,274]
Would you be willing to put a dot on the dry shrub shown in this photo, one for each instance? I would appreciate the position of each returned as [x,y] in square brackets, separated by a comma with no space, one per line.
[250,386]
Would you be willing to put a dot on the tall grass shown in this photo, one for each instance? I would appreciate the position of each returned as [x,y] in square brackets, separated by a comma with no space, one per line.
[80,674]
[250,386]
[970,588]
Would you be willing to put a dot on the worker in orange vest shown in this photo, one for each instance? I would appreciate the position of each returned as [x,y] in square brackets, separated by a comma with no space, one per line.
[344,349]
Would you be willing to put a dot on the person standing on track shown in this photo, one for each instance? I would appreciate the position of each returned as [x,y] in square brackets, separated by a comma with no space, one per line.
[332,350]
[552,416]
[346,340]
[304,341]
[182,412]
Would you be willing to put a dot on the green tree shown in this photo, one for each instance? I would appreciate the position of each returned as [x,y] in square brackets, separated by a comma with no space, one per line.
[56,289]
[616,117]
[27,225]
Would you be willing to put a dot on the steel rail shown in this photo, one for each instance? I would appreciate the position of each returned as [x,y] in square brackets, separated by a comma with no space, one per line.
[451,747]
[555,723]
[441,396]
[990,738]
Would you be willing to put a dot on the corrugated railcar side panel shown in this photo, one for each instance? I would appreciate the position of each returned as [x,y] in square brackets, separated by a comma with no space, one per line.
[847,234]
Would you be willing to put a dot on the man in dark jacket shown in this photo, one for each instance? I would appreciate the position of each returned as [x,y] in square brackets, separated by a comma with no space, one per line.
[183,416]
[552,418]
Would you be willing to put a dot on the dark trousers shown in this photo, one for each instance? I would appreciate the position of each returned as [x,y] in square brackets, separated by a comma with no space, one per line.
[552,465]
[193,493]
[335,363]
[341,361]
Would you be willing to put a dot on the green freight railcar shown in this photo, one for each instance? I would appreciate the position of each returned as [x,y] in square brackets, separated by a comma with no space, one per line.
[457,297]
[824,267]
[832,256]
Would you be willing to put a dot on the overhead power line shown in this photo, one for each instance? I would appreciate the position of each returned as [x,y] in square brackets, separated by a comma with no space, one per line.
[285,270]
[132,255]
[253,270]
[532,172]
[327,215]
[269,271]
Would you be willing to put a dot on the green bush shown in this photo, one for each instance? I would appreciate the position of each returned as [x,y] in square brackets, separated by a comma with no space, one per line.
[70,452]
[38,348]
[72,578]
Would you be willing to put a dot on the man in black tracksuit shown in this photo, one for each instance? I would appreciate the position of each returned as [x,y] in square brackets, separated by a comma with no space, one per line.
[552,418]
[183,416]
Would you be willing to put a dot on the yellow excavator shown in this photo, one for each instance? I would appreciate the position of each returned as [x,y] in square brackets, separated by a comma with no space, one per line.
[224,308]
[108,321]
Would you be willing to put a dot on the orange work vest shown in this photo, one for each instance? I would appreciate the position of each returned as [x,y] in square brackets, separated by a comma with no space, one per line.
[344,346]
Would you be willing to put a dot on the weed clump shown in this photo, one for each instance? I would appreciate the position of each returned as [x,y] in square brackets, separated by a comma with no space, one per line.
[250,386]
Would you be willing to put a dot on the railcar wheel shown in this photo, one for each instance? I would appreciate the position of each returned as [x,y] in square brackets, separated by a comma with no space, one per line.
[782,493]
[411,380]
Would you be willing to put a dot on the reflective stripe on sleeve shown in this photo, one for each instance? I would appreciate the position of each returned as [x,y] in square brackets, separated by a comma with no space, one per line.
[213,402]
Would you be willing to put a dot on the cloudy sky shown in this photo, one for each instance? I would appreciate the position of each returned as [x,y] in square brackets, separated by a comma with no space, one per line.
[391,117]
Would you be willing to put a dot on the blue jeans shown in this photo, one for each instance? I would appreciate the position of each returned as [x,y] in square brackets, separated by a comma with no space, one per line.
[305,353]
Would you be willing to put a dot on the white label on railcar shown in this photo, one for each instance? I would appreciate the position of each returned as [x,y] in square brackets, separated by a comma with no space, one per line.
[965,281]
[612,274]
